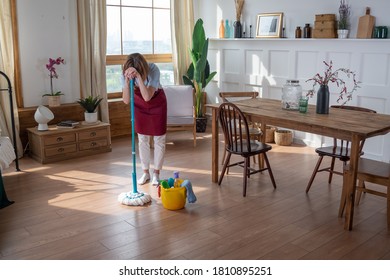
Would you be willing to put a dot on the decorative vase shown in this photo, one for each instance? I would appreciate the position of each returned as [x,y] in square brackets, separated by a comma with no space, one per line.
[342,33]
[237,29]
[201,124]
[323,100]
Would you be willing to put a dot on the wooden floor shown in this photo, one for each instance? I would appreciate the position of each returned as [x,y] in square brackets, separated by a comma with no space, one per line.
[69,210]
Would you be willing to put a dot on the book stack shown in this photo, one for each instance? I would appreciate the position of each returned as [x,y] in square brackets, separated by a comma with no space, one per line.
[67,124]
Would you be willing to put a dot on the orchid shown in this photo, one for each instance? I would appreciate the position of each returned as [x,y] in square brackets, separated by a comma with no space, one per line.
[333,76]
[53,74]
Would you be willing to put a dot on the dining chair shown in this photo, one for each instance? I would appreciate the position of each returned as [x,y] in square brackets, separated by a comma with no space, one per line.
[374,172]
[339,150]
[238,142]
[254,130]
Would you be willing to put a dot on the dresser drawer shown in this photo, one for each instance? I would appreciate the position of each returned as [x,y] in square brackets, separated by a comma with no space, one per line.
[57,144]
[93,134]
[60,150]
[60,139]
[94,144]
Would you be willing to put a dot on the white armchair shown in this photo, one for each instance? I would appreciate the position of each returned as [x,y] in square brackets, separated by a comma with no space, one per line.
[181,114]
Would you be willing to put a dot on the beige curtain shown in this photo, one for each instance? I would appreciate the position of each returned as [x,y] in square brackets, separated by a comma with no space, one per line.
[7,66]
[182,17]
[92,28]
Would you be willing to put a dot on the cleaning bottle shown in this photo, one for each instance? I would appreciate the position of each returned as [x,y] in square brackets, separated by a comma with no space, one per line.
[176,179]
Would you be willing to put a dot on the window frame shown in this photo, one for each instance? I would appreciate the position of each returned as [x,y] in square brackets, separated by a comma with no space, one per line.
[120,59]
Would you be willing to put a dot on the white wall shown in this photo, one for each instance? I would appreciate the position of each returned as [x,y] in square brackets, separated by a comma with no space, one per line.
[265,64]
[48,29]
[296,12]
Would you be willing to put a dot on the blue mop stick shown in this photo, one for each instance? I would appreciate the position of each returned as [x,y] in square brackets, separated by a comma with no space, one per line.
[133,136]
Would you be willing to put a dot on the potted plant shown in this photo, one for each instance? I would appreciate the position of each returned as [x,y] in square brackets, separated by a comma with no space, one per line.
[53,97]
[198,73]
[343,23]
[90,105]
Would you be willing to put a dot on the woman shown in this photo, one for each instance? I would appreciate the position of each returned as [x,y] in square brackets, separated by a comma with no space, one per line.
[150,112]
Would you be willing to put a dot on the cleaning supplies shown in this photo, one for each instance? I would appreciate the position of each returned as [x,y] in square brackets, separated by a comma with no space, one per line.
[191,198]
[176,183]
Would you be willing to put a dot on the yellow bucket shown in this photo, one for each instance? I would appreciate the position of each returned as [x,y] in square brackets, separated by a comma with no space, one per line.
[173,198]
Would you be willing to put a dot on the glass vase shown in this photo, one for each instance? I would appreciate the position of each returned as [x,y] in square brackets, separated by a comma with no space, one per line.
[323,100]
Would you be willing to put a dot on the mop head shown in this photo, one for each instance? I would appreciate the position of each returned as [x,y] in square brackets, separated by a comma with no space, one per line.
[134,199]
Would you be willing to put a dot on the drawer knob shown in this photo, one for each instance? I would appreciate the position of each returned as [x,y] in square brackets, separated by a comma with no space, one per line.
[60,150]
[59,139]
[92,134]
[93,144]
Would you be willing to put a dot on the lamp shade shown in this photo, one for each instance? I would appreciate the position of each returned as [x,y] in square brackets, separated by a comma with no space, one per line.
[42,116]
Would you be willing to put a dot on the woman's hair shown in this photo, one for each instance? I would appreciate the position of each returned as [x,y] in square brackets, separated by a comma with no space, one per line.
[137,61]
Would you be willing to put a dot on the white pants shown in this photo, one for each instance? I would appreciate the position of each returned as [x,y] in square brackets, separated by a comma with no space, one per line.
[144,151]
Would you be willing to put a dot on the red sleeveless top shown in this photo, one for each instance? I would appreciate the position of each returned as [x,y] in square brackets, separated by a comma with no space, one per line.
[150,117]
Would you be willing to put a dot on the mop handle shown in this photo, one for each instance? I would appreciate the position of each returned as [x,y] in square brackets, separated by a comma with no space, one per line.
[133,136]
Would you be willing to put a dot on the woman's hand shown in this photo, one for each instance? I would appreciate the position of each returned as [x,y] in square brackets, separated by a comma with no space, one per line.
[131,73]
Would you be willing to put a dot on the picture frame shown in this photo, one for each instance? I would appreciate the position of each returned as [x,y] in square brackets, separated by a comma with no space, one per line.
[269,25]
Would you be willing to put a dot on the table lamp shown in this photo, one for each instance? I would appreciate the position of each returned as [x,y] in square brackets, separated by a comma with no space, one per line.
[42,116]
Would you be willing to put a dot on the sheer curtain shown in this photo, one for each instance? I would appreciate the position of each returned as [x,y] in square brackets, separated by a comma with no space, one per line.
[92,28]
[182,17]
[7,66]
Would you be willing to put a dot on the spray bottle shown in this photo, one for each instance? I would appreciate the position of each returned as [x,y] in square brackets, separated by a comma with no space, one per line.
[176,183]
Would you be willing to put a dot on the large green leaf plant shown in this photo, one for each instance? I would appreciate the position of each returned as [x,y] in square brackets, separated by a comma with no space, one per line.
[198,73]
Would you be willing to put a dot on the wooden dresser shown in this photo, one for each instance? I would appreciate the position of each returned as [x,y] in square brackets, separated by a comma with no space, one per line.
[58,144]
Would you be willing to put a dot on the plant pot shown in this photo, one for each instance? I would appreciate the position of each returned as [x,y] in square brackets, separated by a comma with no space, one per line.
[90,117]
[54,101]
[201,124]
[342,33]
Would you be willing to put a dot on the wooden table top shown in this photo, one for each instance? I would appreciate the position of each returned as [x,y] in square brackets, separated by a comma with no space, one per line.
[338,123]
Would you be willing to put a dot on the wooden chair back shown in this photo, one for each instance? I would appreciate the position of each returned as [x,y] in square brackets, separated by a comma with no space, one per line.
[236,95]
[235,128]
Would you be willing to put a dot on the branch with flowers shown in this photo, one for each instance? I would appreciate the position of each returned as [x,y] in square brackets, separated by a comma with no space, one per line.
[53,74]
[332,76]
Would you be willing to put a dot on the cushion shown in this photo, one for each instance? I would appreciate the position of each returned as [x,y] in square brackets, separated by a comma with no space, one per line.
[180,100]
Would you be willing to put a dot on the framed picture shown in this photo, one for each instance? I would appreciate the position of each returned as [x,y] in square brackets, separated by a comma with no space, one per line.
[269,25]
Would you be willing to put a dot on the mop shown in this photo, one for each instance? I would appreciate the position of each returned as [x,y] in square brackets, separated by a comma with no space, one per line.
[134,198]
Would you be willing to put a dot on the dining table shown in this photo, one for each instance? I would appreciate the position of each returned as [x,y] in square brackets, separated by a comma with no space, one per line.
[342,124]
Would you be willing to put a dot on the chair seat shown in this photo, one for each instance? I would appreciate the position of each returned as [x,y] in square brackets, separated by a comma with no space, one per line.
[373,168]
[341,153]
[180,120]
[256,147]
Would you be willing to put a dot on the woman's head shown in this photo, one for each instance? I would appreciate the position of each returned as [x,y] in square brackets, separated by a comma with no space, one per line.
[137,61]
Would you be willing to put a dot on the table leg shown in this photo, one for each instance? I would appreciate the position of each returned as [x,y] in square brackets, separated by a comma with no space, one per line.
[214,146]
[350,182]
[263,138]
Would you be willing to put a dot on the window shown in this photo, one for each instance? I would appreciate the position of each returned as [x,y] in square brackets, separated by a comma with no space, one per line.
[138,26]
